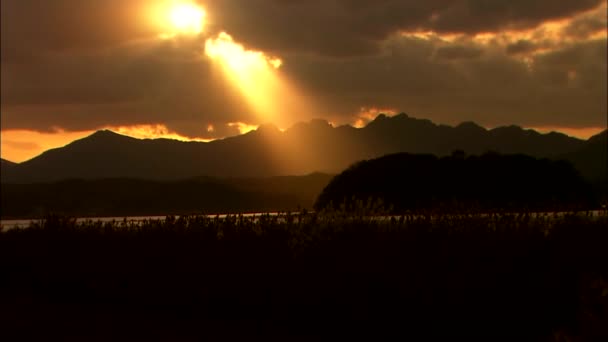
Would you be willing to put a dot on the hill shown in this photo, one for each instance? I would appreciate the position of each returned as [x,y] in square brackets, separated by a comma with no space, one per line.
[302,149]
[592,157]
[488,182]
[7,169]
[5,162]
[131,197]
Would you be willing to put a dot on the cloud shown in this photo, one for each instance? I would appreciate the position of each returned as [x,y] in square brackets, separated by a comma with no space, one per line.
[458,52]
[33,25]
[81,65]
[522,46]
[589,24]
[355,27]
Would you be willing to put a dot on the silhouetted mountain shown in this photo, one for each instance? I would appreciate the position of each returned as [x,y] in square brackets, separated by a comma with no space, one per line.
[488,182]
[131,197]
[304,148]
[4,162]
[7,169]
[592,157]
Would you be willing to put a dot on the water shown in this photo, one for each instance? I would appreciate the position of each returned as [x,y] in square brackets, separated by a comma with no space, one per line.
[24,223]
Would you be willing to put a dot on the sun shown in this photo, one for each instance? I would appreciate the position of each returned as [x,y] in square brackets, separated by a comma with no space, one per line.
[187,18]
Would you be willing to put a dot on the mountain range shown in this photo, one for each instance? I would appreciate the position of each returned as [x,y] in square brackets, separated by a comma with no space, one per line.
[304,148]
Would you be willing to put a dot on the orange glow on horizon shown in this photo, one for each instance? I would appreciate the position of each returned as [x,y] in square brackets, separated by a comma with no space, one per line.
[366,115]
[581,133]
[21,145]
[157,131]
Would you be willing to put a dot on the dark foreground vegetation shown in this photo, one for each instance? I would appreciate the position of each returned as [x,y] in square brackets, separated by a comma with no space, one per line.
[513,277]
[488,182]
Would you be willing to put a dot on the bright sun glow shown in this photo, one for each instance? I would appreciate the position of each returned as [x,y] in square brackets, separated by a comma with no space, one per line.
[188,17]
[251,72]
[235,57]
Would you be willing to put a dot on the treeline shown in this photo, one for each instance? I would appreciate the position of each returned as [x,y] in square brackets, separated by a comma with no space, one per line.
[490,182]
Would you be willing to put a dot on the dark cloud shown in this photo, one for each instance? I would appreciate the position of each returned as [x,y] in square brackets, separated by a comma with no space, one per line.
[522,46]
[330,27]
[493,89]
[473,16]
[347,27]
[458,52]
[86,64]
[587,25]
[158,83]
[70,24]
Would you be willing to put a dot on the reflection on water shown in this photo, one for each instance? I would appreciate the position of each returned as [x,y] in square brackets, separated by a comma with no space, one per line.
[24,223]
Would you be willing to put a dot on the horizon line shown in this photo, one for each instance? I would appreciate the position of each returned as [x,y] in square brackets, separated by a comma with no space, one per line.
[163,133]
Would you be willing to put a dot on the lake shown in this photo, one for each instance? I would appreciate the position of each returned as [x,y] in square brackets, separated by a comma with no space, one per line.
[23,223]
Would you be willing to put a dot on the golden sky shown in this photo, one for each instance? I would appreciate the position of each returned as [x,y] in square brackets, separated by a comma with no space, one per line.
[204,70]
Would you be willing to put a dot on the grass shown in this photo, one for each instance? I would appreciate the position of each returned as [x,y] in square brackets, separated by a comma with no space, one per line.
[494,276]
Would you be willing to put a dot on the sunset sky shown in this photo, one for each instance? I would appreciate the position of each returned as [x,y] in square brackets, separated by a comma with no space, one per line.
[214,68]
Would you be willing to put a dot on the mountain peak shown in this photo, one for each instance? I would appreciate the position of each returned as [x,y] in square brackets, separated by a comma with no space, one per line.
[470,126]
[401,115]
[305,147]
[600,136]
[268,128]
[7,162]
[507,129]
[380,117]
[104,133]
[102,137]
[320,123]
[379,121]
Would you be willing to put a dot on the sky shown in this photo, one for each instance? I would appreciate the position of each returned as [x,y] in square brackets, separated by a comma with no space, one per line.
[203,70]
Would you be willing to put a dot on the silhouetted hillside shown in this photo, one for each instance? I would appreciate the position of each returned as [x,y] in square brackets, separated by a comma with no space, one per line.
[7,169]
[592,157]
[5,162]
[129,197]
[488,182]
[304,148]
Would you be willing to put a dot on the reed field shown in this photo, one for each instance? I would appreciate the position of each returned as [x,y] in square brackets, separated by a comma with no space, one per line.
[424,275]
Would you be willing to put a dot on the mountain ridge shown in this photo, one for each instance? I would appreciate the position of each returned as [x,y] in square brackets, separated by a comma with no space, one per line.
[304,148]
[7,162]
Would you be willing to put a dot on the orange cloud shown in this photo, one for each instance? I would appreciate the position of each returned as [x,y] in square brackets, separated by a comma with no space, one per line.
[366,115]
[154,131]
[546,37]
[243,127]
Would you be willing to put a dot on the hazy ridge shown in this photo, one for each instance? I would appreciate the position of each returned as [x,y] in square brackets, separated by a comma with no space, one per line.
[305,148]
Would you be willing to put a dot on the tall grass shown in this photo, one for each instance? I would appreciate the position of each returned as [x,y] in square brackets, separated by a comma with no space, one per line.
[488,276]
